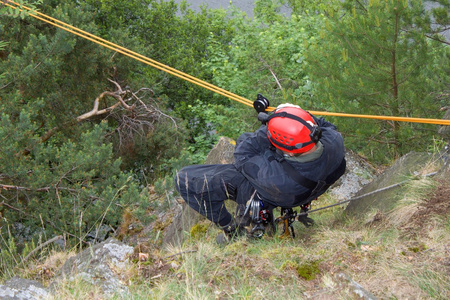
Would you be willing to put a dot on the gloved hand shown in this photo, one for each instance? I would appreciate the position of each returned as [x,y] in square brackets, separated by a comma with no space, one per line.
[308,222]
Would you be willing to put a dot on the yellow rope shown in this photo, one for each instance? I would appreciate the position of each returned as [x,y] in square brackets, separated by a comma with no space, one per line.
[192,79]
[388,118]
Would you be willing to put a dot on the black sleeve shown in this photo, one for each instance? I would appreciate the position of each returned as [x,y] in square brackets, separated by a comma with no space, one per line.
[324,123]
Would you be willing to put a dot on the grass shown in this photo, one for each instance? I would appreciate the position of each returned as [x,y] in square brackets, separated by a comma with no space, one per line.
[400,254]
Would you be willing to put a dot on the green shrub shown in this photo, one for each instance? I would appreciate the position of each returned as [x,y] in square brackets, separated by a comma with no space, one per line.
[69,189]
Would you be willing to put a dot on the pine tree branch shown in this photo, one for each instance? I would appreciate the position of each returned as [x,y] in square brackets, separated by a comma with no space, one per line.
[361,5]
[436,39]
[40,190]
[43,189]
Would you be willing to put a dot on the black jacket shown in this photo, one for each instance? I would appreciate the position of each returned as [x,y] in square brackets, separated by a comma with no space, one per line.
[257,160]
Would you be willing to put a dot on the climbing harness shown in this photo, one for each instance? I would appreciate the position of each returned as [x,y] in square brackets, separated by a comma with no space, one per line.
[260,104]
[260,216]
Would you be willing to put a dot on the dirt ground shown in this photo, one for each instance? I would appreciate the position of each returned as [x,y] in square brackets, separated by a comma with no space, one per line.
[437,204]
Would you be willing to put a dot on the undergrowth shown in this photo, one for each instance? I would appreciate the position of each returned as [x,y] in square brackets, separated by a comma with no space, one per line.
[400,254]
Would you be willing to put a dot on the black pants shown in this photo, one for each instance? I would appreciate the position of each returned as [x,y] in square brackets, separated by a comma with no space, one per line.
[206,187]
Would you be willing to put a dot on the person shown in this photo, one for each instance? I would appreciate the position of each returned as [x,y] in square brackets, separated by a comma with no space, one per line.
[293,158]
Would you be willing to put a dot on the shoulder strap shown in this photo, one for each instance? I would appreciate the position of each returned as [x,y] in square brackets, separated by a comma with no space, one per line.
[292,173]
[290,170]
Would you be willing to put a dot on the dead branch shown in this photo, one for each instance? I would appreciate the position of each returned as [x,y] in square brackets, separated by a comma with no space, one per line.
[135,118]
[96,112]
[154,109]
[41,246]
[40,190]
[272,72]
[10,207]
[43,189]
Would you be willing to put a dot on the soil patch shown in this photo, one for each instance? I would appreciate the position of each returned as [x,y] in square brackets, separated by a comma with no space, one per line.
[437,204]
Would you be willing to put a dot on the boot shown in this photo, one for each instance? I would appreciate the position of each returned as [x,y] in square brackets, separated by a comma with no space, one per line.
[230,232]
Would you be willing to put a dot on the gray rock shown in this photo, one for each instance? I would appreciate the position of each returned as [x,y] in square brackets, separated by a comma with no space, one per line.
[100,265]
[358,174]
[100,234]
[379,195]
[222,153]
[19,288]
[354,288]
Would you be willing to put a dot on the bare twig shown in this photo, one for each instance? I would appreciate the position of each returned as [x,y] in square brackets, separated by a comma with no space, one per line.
[22,188]
[40,190]
[41,246]
[137,118]
[271,72]
[10,207]
[180,253]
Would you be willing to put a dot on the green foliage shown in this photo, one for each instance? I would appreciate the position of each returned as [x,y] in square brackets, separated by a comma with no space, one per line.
[171,34]
[268,11]
[17,11]
[45,62]
[375,58]
[305,7]
[266,56]
[68,189]
[76,72]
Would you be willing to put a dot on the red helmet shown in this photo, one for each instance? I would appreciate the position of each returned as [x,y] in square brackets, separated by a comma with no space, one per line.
[292,129]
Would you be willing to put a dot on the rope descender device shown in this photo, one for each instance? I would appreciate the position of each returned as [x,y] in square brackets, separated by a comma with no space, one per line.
[261,103]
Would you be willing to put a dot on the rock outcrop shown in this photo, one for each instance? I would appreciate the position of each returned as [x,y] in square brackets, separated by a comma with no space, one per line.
[18,288]
[384,191]
[100,265]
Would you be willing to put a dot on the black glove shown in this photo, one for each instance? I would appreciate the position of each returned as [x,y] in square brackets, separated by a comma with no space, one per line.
[308,222]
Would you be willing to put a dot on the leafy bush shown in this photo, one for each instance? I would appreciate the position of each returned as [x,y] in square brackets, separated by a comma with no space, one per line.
[266,55]
[69,189]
